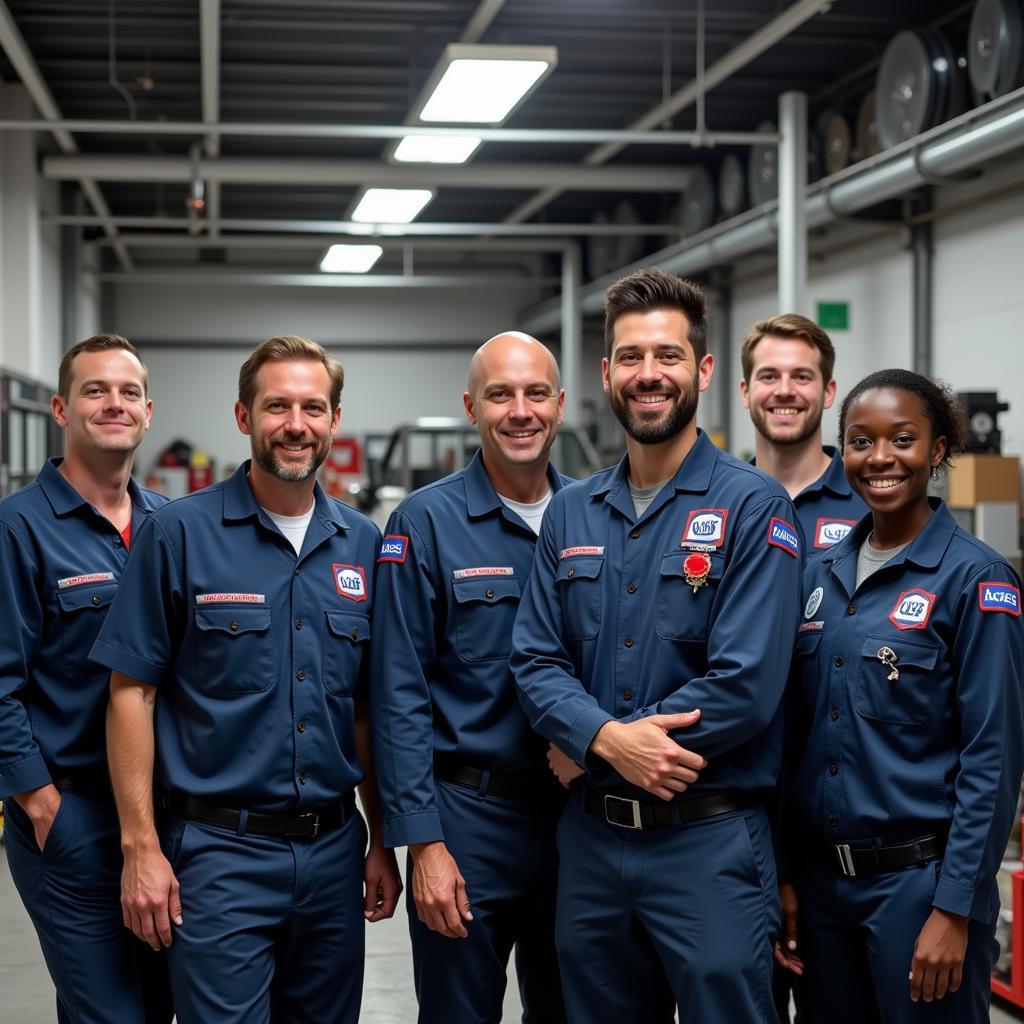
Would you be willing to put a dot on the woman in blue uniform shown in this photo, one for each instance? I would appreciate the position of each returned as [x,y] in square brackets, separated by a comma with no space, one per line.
[904,734]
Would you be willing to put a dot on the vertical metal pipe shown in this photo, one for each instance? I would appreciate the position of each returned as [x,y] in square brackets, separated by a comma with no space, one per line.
[572,332]
[70,267]
[921,252]
[792,224]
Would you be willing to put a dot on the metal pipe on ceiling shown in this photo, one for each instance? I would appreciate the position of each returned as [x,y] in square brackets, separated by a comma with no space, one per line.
[153,240]
[293,130]
[983,134]
[209,73]
[328,171]
[194,278]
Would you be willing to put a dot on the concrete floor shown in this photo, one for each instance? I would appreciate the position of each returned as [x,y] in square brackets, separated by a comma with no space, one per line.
[26,995]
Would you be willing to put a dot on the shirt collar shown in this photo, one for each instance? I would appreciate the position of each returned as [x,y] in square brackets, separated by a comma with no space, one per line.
[240,503]
[832,480]
[64,499]
[694,473]
[481,497]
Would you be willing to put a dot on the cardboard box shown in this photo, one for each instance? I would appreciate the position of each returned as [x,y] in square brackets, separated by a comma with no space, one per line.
[978,478]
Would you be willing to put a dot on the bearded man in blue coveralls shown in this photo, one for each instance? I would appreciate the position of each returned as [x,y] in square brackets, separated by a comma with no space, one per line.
[64,540]
[241,628]
[463,779]
[653,616]
[787,384]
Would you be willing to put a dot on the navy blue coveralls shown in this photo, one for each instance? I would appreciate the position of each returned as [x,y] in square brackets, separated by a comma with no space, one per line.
[62,562]
[882,758]
[258,657]
[829,508]
[452,568]
[610,628]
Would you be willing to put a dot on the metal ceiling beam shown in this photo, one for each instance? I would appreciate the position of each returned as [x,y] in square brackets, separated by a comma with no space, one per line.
[752,47]
[21,58]
[294,130]
[335,171]
[249,278]
[316,243]
[209,73]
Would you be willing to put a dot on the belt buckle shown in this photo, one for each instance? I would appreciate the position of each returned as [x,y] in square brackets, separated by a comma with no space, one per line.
[845,860]
[311,822]
[634,805]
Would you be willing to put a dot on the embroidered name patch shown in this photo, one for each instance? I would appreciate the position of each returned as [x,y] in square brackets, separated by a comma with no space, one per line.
[706,526]
[393,548]
[231,599]
[831,531]
[782,535]
[483,570]
[88,577]
[350,581]
[811,627]
[573,552]
[912,610]
[999,597]
[813,602]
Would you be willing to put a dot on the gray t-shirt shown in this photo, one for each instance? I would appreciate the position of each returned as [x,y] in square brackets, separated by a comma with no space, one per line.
[870,560]
[643,496]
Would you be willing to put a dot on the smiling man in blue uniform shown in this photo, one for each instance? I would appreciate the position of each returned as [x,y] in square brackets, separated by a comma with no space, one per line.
[659,591]
[64,540]
[463,779]
[243,623]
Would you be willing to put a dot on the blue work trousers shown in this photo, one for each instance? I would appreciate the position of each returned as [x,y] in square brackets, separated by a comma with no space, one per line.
[506,853]
[685,915]
[72,892]
[857,940]
[272,929]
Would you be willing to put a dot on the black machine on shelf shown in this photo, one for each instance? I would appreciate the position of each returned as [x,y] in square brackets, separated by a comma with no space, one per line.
[983,409]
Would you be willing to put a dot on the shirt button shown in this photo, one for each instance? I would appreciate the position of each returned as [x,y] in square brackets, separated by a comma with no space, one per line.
[301,727]
[570,574]
[298,623]
[838,662]
[627,694]
[300,675]
[233,624]
[833,769]
[95,599]
[302,780]
[834,713]
[851,610]
[488,593]
[833,821]
[631,588]
[634,535]
[296,570]
[628,641]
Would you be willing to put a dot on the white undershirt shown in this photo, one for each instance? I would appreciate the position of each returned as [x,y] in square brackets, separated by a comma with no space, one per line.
[293,527]
[531,513]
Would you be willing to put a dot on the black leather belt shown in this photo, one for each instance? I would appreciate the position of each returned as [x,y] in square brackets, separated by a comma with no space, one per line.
[874,860]
[643,814]
[510,785]
[307,823]
[91,780]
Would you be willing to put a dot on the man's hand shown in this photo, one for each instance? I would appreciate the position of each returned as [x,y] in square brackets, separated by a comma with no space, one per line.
[41,805]
[938,964]
[786,954]
[643,753]
[150,899]
[382,883]
[439,891]
[564,768]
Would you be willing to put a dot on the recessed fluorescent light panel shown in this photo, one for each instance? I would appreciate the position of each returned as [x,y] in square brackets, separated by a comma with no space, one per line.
[436,149]
[482,84]
[391,205]
[350,259]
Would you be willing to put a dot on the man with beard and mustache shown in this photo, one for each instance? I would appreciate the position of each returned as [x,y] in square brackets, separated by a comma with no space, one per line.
[248,608]
[787,384]
[653,616]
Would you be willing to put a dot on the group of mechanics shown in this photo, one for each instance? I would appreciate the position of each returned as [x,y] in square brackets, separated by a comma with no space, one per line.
[566,699]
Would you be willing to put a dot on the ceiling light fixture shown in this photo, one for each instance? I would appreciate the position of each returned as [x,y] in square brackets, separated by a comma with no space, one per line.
[436,149]
[350,259]
[391,205]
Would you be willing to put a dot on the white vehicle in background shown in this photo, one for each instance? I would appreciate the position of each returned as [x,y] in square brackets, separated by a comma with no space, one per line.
[427,449]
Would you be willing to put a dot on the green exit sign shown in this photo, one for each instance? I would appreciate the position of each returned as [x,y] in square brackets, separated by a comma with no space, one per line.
[834,316]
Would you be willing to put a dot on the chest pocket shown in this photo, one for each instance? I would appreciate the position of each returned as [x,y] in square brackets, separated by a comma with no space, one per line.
[82,611]
[485,610]
[234,650]
[805,664]
[346,638]
[579,583]
[907,700]
[682,614]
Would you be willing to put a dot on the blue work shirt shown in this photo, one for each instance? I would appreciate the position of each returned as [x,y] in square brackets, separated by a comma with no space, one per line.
[258,653]
[878,757]
[62,562]
[610,628]
[453,566]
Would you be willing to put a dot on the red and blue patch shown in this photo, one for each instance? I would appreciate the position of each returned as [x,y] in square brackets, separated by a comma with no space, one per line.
[997,596]
[782,535]
[350,581]
[913,609]
[393,548]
